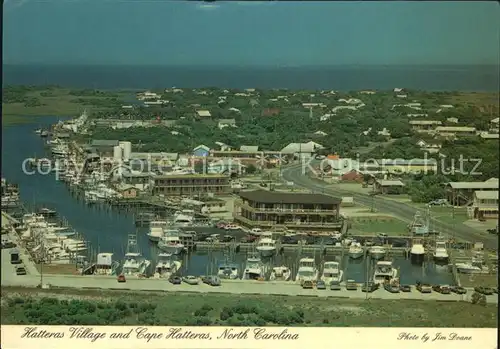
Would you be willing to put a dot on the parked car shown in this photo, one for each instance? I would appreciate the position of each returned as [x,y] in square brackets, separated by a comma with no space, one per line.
[335,286]
[320,285]
[443,289]
[191,280]
[307,284]
[205,279]
[370,287]
[424,288]
[458,290]
[405,288]
[351,285]
[438,202]
[214,281]
[487,291]
[20,270]
[121,278]
[175,280]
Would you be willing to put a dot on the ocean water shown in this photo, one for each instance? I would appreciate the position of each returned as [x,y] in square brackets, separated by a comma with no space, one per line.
[341,78]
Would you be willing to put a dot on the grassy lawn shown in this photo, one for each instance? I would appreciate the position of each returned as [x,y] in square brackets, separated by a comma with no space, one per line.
[449,214]
[367,226]
[92,307]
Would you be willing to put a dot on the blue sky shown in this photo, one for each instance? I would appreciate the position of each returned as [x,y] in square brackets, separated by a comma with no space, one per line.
[155,32]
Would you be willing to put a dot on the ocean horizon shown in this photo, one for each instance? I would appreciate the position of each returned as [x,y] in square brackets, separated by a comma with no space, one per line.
[479,78]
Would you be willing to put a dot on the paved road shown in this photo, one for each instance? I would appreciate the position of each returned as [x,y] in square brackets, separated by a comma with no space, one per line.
[405,212]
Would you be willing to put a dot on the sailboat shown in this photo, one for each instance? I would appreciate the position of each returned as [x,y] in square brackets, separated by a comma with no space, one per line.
[134,263]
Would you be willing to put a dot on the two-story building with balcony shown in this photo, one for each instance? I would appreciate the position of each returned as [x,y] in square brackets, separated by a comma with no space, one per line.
[191,184]
[462,193]
[296,211]
[485,204]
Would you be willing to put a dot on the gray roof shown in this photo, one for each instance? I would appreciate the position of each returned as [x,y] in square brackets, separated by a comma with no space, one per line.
[227,121]
[104,143]
[390,183]
[249,148]
[273,197]
[489,184]
[414,162]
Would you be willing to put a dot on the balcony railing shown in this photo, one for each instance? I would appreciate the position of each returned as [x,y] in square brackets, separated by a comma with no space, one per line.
[287,223]
[285,210]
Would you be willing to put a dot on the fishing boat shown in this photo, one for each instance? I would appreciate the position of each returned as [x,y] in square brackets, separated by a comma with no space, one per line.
[356,250]
[254,268]
[134,263]
[170,242]
[167,265]
[307,270]
[281,273]
[156,230]
[266,246]
[332,272]
[228,271]
[468,268]
[184,218]
[38,131]
[417,252]
[441,252]
[384,271]
[377,252]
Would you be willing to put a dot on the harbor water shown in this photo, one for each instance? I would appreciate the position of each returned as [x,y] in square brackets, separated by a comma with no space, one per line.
[106,229]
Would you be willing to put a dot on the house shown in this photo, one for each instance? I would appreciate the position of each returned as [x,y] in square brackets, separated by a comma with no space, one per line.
[409,166]
[424,125]
[223,146]
[203,113]
[431,148]
[413,115]
[446,106]
[384,133]
[398,89]
[127,191]
[494,125]
[201,151]
[452,120]
[325,117]
[485,204]
[462,193]
[235,110]
[454,131]
[191,184]
[312,105]
[223,123]
[367,92]
[353,176]
[402,96]
[320,133]
[343,107]
[250,149]
[301,148]
[351,101]
[383,186]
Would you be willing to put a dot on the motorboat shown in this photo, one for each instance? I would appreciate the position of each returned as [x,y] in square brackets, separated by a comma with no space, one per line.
[134,263]
[156,230]
[417,252]
[332,272]
[307,270]
[254,268]
[377,252]
[441,252]
[184,218]
[281,273]
[384,271]
[228,271]
[266,246]
[167,265]
[356,250]
[170,242]
[468,268]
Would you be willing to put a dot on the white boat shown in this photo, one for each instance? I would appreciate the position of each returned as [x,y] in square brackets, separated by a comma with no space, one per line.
[468,268]
[256,231]
[384,271]
[170,242]
[356,250]
[266,246]
[156,230]
[281,273]
[184,218]
[228,271]
[307,270]
[332,272]
[417,252]
[441,252]
[166,265]
[377,252]
[254,268]
[60,150]
[134,263]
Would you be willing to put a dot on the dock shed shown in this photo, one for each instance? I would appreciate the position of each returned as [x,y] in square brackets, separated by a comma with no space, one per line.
[384,186]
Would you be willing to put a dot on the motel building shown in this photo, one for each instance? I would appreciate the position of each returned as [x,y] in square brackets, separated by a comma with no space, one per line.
[485,204]
[297,211]
[462,193]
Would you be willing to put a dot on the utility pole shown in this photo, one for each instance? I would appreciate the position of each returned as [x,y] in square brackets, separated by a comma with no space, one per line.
[42,253]
[367,274]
